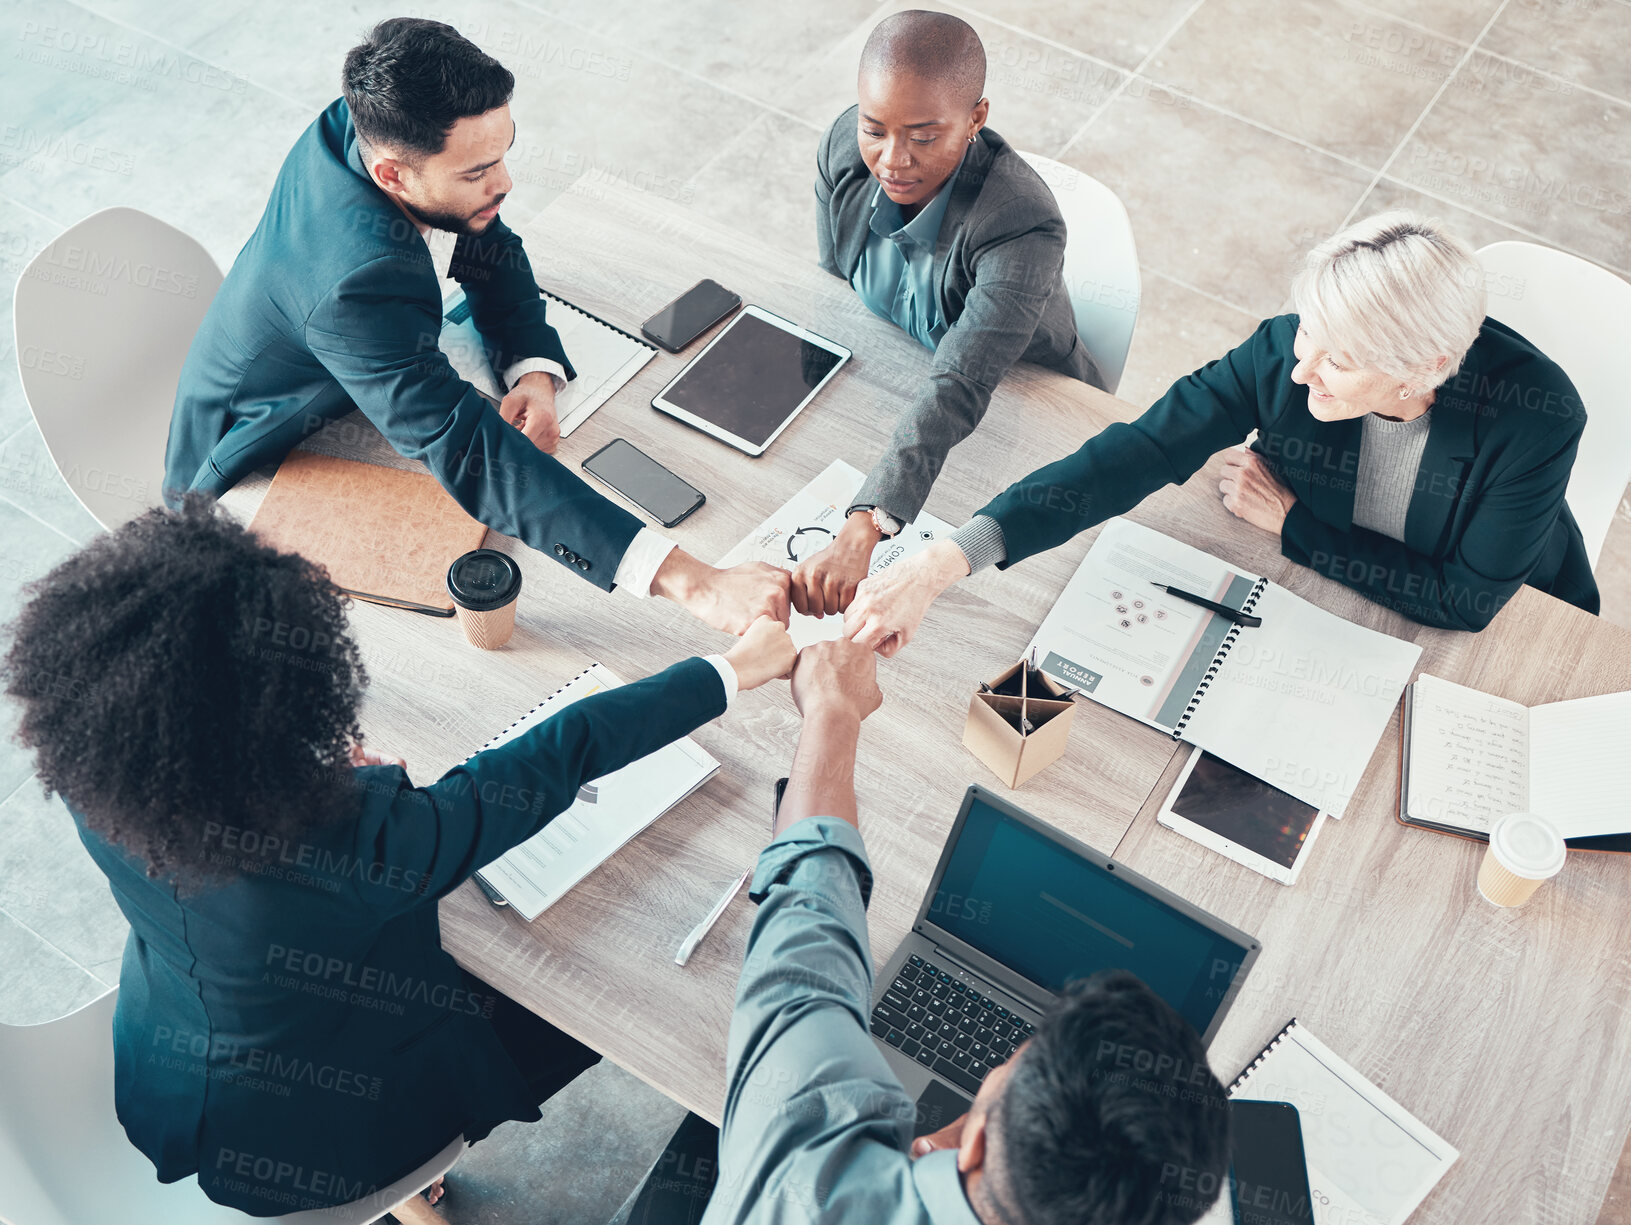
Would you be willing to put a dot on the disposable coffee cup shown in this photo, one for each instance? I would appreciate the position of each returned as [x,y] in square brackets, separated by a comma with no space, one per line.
[1523,851]
[484,584]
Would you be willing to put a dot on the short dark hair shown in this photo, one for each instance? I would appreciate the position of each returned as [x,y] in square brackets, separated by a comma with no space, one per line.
[1112,1115]
[931,46]
[411,80]
[177,672]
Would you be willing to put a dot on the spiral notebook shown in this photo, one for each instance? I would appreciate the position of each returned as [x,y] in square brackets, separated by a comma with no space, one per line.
[607,813]
[1300,701]
[603,356]
[1370,1161]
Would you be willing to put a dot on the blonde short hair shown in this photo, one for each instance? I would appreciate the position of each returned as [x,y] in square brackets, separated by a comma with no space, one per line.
[1393,293]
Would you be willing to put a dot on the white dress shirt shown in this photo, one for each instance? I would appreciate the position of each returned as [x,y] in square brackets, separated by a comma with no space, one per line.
[727,674]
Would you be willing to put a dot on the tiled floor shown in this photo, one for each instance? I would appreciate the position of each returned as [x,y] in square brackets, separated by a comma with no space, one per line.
[1237,131]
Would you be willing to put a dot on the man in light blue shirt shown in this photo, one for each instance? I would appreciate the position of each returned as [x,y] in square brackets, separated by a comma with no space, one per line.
[895,275]
[1108,1114]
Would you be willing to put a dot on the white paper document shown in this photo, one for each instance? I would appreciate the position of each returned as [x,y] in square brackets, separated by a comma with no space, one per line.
[1127,644]
[807,523]
[1370,1161]
[1300,701]
[603,358]
[607,813]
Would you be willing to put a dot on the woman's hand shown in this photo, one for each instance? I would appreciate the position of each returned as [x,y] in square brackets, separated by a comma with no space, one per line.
[889,605]
[765,652]
[1252,492]
[825,583]
[367,757]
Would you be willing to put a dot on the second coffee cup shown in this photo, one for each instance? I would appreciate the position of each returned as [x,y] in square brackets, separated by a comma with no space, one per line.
[1524,850]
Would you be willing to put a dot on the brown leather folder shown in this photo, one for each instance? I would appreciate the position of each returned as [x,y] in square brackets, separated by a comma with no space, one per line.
[384,534]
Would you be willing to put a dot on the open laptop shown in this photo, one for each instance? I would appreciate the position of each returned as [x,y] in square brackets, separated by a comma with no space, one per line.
[1015,910]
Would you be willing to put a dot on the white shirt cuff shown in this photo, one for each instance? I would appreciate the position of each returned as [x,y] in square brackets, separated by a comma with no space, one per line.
[727,674]
[527,365]
[641,560]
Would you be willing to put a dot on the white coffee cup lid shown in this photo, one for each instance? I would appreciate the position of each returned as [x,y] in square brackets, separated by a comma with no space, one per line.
[1527,846]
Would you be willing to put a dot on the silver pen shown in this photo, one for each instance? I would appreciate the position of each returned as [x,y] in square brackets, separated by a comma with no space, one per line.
[707,924]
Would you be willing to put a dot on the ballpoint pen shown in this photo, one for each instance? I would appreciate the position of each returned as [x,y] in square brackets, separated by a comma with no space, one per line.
[707,924]
[1223,610]
[1024,695]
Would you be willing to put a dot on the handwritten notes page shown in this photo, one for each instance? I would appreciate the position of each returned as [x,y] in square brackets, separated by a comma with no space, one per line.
[1469,755]
[1579,776]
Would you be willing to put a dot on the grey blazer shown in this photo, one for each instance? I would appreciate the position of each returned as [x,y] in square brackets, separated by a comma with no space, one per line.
[997,269]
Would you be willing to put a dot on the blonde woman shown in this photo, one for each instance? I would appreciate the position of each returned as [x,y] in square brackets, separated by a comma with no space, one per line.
[1407,446]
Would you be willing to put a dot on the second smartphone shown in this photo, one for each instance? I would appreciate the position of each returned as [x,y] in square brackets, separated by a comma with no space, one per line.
[690,315]
[643,481]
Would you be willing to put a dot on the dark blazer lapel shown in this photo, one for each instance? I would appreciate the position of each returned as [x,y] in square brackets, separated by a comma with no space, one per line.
[1442,476]
[1318,460]
[853,188]
[964,193]
[1333,500]
[855,227]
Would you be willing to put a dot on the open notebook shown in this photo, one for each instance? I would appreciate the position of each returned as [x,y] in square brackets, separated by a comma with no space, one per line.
[1299,701]
[604,357]
[607,813]
[1471,757]
[1370,1161]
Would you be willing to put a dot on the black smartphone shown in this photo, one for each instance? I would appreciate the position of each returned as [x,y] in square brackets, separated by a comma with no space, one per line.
[1269,1173]
[643,481]
[690,315]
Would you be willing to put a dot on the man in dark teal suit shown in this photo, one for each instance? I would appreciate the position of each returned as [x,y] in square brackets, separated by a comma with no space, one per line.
[335,303]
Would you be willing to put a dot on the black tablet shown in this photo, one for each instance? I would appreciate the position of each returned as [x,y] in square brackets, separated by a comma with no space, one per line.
[751,380]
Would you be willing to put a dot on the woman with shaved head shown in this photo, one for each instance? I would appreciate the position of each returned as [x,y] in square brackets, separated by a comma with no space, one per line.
[945,231]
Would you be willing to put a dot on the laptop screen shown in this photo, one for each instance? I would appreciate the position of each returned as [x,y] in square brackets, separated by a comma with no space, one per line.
[1046,913]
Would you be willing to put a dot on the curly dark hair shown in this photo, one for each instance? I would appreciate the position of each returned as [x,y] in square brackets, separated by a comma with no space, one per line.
[177,672]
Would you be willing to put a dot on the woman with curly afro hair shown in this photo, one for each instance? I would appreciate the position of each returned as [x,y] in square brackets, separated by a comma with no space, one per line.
[288,1027]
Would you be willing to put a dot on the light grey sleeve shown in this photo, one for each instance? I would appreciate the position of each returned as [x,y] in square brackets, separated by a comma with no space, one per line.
[982,542]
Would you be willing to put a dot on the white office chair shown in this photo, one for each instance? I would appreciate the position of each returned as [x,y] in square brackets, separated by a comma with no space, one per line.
[65,1160]
[104,316]
[1579,315]
[1101,264]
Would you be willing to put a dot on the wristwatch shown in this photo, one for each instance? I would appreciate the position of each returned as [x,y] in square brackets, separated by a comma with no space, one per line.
[885,522]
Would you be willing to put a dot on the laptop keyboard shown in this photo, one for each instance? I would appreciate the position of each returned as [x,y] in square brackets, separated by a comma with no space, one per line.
[946,1025]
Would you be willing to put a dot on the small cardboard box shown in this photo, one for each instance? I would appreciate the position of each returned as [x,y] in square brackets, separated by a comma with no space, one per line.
[993,732]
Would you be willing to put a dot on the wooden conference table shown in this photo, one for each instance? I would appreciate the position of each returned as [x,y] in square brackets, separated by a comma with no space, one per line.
[1504,1031]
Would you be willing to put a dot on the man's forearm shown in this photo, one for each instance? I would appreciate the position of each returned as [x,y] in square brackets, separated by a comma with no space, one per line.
[822,782]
